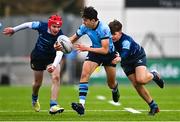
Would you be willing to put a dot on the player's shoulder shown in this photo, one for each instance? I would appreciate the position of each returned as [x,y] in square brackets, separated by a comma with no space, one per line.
[102,26]
[126,37]
[43,24]
[103,29]
[83,27]
[40,25]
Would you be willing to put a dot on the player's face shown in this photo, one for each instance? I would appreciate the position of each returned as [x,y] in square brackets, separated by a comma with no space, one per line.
[116,36]
[89,23]
[54,29]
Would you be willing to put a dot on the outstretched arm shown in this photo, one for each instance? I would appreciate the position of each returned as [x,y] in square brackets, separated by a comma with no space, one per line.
[11,30]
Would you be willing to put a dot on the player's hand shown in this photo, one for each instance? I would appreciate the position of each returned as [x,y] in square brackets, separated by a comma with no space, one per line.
[58,46]
[81,47]
[117,59]
[51,68]
[8,31]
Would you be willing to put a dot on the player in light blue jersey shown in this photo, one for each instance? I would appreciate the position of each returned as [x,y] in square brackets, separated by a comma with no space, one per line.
[133,62]
[102,52]
[42,56]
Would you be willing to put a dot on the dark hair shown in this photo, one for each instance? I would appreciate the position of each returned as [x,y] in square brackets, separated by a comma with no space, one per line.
[89,13]
[115,26]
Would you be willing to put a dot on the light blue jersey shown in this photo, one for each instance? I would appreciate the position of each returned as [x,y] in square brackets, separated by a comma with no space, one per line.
[96,35]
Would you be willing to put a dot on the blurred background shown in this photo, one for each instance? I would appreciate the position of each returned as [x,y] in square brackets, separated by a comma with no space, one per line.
[155,24]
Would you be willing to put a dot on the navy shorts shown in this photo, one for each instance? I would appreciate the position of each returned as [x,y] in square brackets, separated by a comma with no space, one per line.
[104,60]
[129,68]
[39,63]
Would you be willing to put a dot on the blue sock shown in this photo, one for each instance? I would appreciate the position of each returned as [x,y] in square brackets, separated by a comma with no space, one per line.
[52,103]
[152,104]
[34,98]
[83,89]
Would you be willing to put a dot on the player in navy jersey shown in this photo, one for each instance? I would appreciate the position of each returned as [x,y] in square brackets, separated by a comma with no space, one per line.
[133,62]
[42,56]
[100,53]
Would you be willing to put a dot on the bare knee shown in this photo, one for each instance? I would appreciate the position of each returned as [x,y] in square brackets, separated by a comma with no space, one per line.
[140,80]
[37,84]
[55,78]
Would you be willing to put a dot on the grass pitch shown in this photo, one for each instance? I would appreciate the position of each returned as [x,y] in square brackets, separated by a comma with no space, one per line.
[15,104]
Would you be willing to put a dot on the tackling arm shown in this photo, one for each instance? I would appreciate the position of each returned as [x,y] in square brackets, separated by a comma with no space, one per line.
[22,26]
[11,30]
[58,58]
[52,67]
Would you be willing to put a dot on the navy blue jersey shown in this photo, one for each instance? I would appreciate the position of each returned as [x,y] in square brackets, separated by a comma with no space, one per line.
[44,45]
[128,49]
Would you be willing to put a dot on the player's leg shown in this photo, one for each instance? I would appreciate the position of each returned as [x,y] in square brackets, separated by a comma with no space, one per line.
[87,69]
[112,83]
[144,93]
[143,76]
[54,107]
[38,77]
[157,79]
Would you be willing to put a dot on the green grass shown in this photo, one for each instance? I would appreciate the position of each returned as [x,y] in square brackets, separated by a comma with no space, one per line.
[15,104]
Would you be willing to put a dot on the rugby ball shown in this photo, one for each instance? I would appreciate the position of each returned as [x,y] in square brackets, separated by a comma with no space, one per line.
[67,46]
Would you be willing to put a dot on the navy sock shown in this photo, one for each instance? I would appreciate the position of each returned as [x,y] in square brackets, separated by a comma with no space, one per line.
[116,87]
[152,104]
[34,98]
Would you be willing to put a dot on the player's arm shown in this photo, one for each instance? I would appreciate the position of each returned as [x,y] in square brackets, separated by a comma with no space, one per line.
[104,36]
[117,59]
[73,39]
[57,60]
[11,30]
[102,50]
[125,49]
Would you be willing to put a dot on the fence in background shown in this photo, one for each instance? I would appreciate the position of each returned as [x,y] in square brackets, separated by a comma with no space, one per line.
[169,68]
[16,70]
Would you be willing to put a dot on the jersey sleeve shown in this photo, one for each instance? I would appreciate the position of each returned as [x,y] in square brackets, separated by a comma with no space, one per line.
[35,25]
[125,49]
[81,31]
[126,44]
[32,25]
[58,58]
[105,33]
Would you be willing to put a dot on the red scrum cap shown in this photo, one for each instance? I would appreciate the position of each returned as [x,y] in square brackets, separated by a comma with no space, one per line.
[55,19]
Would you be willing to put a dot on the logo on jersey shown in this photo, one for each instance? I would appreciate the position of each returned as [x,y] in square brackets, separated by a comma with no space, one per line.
[32,65]
[87,57]
[105,32]
[140,61]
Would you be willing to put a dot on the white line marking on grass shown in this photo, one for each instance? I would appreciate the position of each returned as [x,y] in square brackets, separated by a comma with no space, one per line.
[113,103]
[132,110]
[99,97]
[25,111]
